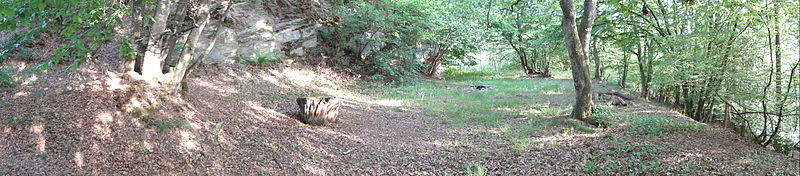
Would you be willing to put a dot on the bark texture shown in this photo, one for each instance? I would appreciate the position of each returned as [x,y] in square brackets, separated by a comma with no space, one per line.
[576,41]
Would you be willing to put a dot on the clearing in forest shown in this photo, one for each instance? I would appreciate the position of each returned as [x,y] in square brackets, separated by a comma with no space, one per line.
[241,121]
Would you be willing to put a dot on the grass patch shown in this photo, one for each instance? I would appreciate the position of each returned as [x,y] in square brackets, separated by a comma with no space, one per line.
[164,125]
[146,116]
[623,157]
[658,125]
[475,170]
[518,109]
[507,99]
[21,121]
[458,74]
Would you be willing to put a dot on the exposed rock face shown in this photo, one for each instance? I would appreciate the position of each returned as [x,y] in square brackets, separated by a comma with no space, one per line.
[366,44]
[250,28]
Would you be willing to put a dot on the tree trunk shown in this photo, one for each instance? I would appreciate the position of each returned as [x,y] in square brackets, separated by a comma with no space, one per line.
[598,67]
[624,77]
[151,63]
[726,122]
[203,15]
[778,23]
[134,36]
[170,54]
[434,62]
[643,70]
[319,111]
[576,41]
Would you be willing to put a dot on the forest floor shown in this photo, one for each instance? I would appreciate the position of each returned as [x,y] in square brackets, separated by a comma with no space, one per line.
[239,120]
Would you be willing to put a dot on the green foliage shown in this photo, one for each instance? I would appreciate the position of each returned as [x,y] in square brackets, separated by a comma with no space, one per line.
[394,34]
[458,74]
[475,170]
[622,156]
[783,144]
[263,58]
[659,125]
[84,24]
[164,125]
[24,53]
[601,116]
[6,79]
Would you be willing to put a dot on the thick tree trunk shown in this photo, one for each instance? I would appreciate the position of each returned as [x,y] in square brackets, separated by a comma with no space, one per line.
[172,39]
[576,41]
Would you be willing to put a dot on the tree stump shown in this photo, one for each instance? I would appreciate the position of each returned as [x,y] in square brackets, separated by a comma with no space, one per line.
[319,111]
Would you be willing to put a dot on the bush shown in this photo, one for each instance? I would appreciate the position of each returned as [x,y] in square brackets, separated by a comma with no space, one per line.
[396,66]
[395,29]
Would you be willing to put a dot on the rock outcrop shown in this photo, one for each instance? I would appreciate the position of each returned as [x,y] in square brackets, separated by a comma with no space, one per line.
[281,28]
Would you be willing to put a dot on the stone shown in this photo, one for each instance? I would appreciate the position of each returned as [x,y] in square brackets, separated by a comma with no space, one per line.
[298,52]
[226,47]
[311,43]
[367,43]
[288,36]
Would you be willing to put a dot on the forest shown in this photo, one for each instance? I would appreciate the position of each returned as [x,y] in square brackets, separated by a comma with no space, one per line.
[400,87]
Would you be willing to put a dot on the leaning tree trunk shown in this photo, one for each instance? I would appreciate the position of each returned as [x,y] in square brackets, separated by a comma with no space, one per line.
[576,41]
[319,111]
[203,15]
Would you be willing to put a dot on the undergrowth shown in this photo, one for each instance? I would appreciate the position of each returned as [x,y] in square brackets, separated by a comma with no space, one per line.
[146,115]
[650,125]
[623,156]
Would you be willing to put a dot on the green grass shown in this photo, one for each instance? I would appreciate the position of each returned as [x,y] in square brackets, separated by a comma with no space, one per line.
[519,108]
[623,157]
[165,125]
[508,98]
[475,170]
[21,121]
[658,125]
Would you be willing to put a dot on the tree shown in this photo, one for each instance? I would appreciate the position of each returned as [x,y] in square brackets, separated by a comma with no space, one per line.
[577,42]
